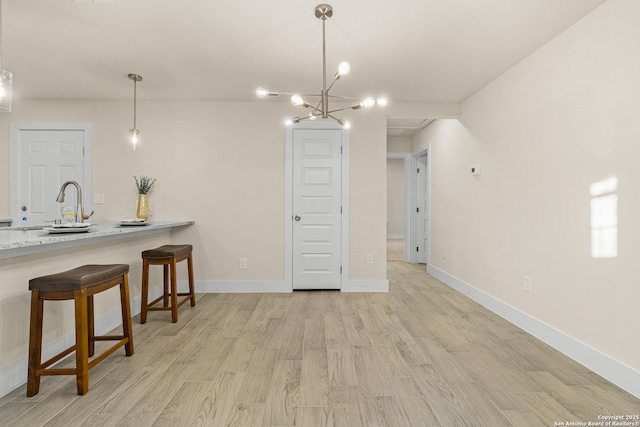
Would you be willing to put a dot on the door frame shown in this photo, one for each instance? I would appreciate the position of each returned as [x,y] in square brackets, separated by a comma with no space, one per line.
[414,202]
[288,200]
[14,177]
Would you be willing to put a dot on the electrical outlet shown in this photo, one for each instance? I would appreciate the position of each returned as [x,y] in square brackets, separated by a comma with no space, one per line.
[369,258]
[243,263]
[98,198]
[527,284]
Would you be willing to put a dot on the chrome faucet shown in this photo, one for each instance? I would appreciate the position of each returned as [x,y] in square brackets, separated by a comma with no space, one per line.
[80,216]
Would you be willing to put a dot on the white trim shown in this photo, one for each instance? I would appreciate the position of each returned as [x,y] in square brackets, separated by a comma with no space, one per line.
[87,184]
[395,236]
[15,375]
[406,226]
[381,285]
[288,196]
[613,370]
[239,286]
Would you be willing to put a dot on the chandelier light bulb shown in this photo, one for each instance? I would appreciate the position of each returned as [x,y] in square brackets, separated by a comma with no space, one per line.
[368,102]
[344,68]
[382,101]
[297,99]
[344,123]
[292,121]
[262,92]
[312,116]
[3,91]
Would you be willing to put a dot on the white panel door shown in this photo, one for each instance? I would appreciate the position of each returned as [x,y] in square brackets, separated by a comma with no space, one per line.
[317,183]
[422,216]
[48,158]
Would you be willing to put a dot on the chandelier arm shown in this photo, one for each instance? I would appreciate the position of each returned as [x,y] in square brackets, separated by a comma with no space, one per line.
[298,93]
[341,109]
[346,98]
[312,108]
[331,85]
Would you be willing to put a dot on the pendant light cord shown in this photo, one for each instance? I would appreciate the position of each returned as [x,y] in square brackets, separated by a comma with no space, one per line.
[1,38]
[135,85]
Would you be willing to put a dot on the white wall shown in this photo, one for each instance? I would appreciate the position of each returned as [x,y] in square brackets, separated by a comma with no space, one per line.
[222,165]
[398,144]
[543,133]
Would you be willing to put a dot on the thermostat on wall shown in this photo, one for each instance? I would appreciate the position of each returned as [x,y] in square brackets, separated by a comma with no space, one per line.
[475,170]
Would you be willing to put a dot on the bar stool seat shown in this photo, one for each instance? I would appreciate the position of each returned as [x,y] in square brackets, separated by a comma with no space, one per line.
[167,256]
[79,284]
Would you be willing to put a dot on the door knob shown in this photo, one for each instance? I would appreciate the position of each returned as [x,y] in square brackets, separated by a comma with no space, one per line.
[297,218]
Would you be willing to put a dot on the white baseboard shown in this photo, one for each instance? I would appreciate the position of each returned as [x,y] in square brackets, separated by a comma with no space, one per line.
[395,236]
[607,367]
[366,286]
[239,286]
[276,286]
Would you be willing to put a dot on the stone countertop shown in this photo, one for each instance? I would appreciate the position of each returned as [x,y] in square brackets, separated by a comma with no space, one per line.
[17,241]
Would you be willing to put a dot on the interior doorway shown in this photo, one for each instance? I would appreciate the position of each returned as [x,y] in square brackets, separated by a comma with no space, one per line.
[396,196]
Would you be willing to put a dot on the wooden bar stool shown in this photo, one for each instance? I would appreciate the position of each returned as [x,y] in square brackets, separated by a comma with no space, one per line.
[167,256]
[80,285]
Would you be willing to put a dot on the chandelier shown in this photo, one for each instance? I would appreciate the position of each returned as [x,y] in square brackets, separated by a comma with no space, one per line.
[321,109]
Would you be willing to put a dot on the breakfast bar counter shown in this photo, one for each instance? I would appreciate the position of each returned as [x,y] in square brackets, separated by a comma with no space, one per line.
[18,241]
[28,252]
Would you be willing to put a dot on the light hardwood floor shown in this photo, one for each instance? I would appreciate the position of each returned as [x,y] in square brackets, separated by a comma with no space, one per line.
[395,250]
[422,355]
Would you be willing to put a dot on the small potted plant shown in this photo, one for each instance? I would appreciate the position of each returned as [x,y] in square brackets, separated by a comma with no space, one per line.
[144,184]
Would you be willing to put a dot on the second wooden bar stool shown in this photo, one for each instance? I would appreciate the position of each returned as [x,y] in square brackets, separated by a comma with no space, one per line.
[167,256]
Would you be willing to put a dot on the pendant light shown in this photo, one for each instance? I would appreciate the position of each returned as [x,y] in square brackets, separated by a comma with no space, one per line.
[134,133]
[6,78]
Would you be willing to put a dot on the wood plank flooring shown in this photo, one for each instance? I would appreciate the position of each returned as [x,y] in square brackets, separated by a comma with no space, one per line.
[422,355]
[395,250]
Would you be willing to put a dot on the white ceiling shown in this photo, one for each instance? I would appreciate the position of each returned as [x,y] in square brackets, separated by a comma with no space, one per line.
[408,50]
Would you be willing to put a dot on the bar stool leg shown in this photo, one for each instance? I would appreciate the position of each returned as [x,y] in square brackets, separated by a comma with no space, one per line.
[192,288]
[127,328]
[91,329]
[82,341]
[165,278]
[145,291]
[174,292]
[35,344]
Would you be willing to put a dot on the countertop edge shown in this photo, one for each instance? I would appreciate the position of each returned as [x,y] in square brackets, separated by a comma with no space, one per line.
[18,243]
